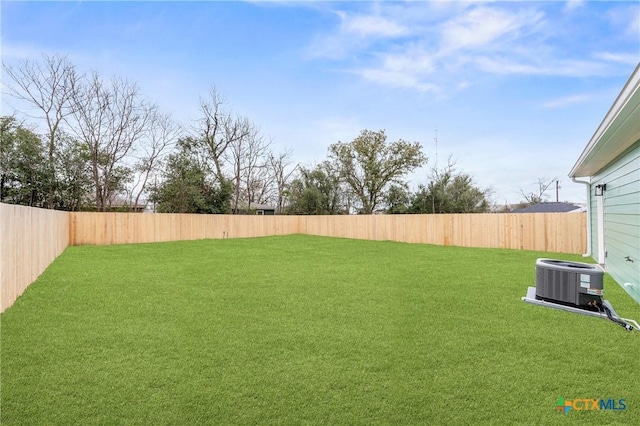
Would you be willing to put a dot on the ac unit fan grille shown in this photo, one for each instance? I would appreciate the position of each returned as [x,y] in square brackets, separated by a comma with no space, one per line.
[568,282]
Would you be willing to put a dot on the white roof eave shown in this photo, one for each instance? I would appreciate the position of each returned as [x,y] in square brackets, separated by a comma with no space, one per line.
[618,131]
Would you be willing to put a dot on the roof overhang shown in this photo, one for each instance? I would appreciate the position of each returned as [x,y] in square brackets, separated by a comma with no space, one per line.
[618,131]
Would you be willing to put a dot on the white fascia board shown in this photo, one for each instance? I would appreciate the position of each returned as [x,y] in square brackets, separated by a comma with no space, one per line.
[622,101]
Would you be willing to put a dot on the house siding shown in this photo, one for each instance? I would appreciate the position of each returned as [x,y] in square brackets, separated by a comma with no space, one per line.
[621,219]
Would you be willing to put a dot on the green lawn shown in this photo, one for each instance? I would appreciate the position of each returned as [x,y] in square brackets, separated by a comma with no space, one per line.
[306,330]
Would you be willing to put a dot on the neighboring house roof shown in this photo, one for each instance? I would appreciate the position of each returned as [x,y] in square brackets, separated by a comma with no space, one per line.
[256,206]
[617,132]
[549,208]
[262,206]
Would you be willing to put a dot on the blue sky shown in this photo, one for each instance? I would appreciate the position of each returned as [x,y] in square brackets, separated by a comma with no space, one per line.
[515,89]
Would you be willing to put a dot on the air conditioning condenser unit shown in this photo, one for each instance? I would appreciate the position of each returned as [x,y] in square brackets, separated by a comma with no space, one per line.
[568,282]
[575,287]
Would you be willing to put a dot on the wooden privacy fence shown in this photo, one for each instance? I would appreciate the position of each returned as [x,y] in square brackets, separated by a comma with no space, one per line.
[30,239]
[125,228]
[553,232]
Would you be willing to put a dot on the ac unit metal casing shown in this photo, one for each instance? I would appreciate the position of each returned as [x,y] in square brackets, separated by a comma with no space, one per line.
[568,282]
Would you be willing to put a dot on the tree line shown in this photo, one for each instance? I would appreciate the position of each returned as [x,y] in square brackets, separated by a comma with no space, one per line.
[105,147]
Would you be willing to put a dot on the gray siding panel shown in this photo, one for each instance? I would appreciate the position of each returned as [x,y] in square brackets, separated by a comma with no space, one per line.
[621,220]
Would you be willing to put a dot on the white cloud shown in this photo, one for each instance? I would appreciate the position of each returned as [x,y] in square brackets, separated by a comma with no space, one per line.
[566,101]
[627,18]
[572,5]
[622,58]
[633,29]
[407,69]
[463,85]
[332,46]
[434,46]
[371,26]
[483,26]
[22,51]
[440,43]
[356,33]
[543,66]
[397,78]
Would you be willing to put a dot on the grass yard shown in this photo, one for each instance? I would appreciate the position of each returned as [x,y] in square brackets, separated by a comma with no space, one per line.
[306,330]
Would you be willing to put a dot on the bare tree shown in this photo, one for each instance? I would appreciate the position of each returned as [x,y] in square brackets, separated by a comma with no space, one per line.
[110,117]
[282,174]
[249,156]
[162,133]
[257,179]
[49,87]
[218,129]
[539,196]
[439,180]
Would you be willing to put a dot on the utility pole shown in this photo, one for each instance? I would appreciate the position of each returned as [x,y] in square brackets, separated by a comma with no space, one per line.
[155,190]
[557,191]
[436,140]
[433,198]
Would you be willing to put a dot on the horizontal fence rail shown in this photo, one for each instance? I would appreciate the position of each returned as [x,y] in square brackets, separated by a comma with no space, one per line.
[30,239]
